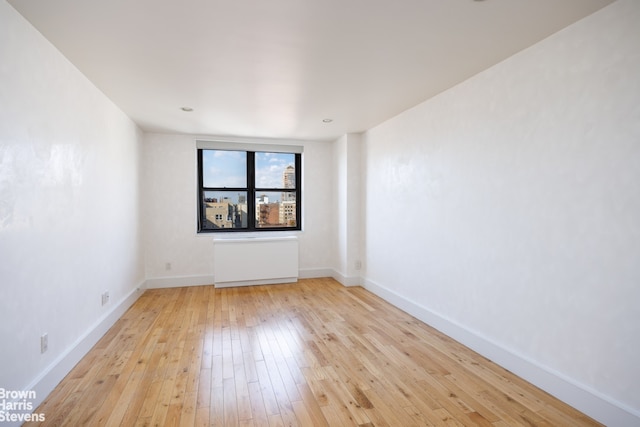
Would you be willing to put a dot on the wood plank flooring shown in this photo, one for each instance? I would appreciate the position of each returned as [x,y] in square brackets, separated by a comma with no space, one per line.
[313,353]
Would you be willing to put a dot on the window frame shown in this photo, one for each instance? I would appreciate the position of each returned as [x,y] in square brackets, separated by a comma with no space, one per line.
[251,190]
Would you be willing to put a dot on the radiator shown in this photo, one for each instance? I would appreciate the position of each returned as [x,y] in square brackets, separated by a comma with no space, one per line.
[255,261]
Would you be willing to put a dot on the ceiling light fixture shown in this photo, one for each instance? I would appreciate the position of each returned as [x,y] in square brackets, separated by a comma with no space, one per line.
[187,109]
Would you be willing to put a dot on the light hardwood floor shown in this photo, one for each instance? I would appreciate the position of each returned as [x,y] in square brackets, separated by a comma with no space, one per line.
[313,353]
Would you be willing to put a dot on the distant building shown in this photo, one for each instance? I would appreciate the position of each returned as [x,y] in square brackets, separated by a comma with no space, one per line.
[220,215]
[289,181]
[224,213]
[242,213]
[267,214]
[287,213]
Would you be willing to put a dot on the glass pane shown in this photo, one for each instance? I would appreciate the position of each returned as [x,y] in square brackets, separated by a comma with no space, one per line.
[224,169]
[275,170]
[276,209]
[225,209]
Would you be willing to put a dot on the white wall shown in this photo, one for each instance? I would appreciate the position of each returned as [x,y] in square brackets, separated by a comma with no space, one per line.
[170,211]
[347,259]
[69,223]
[507,209]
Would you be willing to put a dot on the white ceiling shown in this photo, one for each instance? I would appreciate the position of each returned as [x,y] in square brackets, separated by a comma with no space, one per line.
[277,68]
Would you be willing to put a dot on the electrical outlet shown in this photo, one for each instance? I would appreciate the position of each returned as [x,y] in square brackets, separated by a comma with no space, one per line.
[358,265]
[167,266]
[105,298]
[44,343]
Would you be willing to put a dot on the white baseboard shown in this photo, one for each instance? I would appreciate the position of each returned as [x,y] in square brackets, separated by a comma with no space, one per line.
[54,373]
[256,282]
[596,405]
[182,281]
[347,280]
[309,273]
[178,281]
[315,273]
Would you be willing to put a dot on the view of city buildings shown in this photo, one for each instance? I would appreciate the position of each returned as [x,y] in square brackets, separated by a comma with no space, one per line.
[272,209]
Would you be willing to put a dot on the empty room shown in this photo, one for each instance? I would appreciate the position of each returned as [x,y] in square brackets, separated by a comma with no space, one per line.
[320,213]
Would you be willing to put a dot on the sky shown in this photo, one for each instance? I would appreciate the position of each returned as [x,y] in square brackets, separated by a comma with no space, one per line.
[227,168]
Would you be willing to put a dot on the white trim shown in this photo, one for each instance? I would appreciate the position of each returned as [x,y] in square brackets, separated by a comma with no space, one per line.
[314,273]
[591,402]
[252,239]
[48,379]
[248,146]
[305,273]
[347,281]
[256,282]
[178,281]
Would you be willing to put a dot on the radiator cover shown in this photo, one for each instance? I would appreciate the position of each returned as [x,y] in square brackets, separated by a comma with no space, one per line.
[255,261]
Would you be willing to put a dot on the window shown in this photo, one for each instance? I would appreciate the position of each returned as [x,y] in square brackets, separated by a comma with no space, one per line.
[248,188]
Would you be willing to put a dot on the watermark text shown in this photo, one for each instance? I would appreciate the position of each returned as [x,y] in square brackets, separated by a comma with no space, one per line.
[17,406]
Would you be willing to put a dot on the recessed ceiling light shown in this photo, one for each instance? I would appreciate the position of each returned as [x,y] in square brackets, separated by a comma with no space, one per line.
[187,109]
[327,120]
